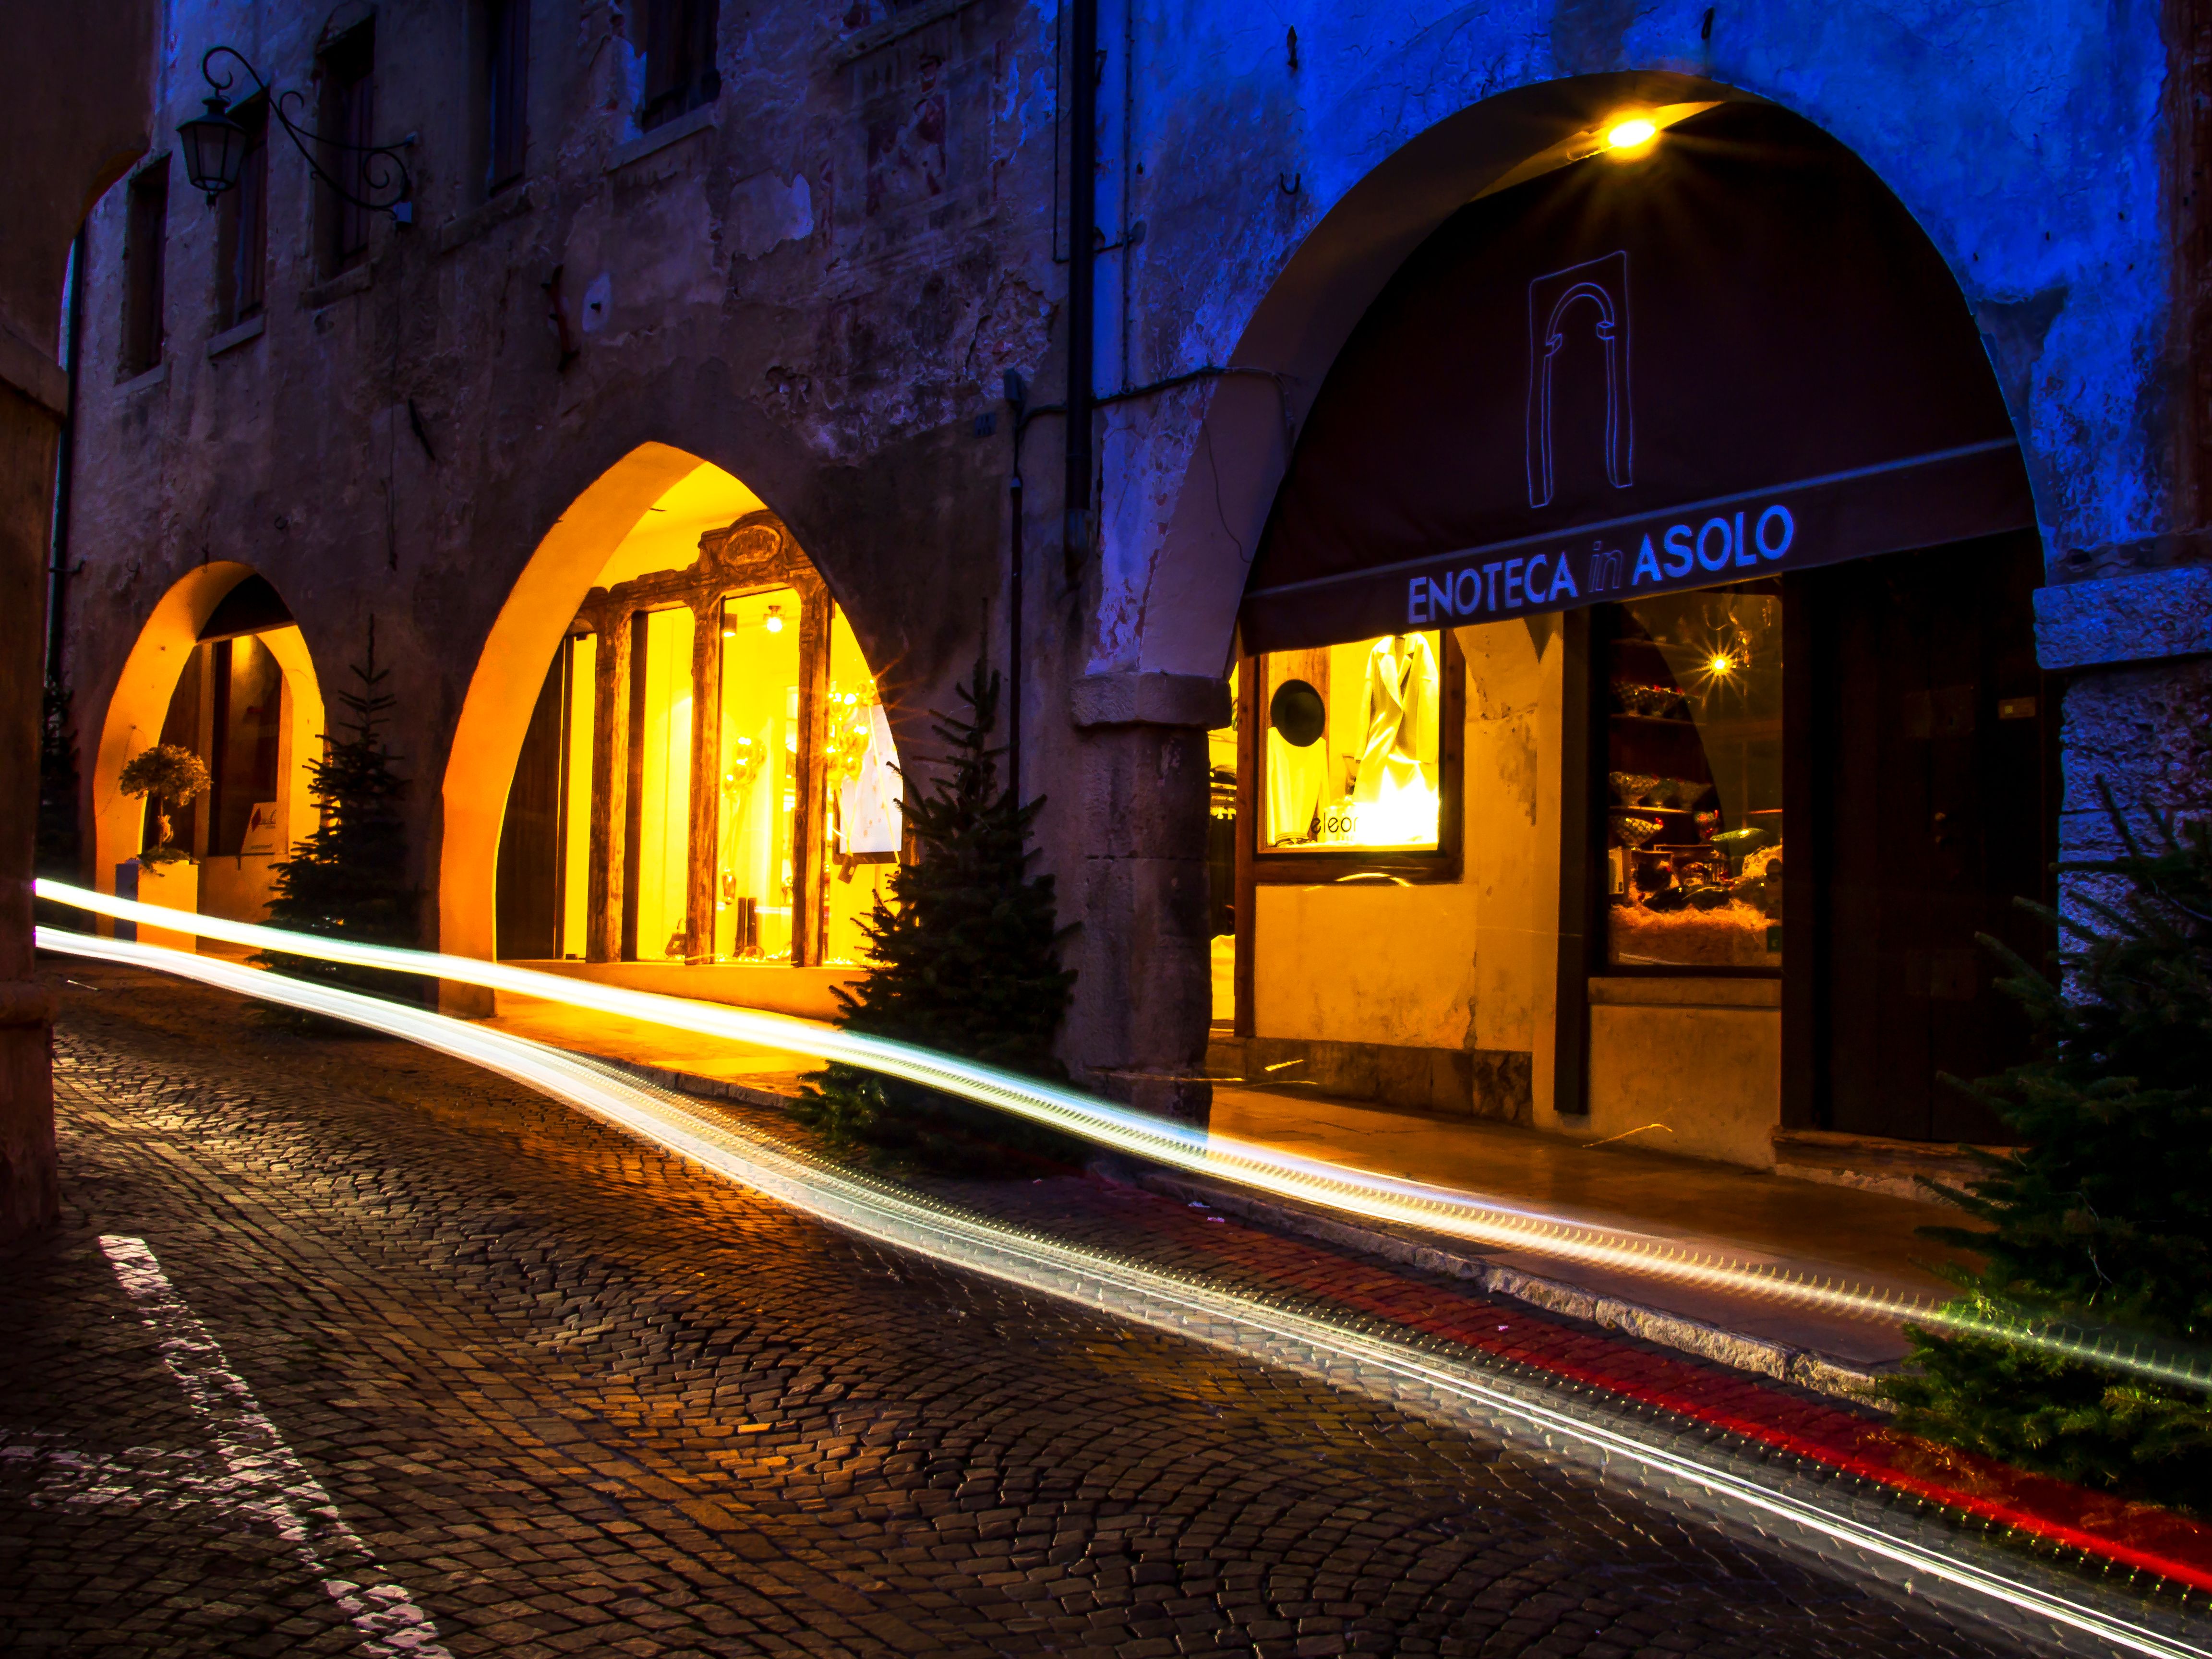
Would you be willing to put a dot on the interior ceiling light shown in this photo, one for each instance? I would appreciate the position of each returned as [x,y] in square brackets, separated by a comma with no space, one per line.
[1633,133]
[775,624]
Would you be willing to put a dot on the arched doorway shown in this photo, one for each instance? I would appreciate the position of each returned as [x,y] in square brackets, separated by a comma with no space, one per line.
[700,778]
[219,669]
[1650,584]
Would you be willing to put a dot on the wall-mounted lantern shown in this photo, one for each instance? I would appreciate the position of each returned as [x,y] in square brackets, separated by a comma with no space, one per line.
[215,146]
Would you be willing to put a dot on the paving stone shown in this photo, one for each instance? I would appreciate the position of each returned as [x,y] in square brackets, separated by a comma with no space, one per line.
[580,1397]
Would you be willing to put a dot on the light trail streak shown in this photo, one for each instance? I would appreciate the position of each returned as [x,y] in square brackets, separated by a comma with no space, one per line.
[1377,1197]
[1438,1386]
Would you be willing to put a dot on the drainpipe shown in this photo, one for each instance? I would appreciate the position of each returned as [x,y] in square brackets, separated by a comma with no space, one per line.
[57,574]
[1082,235]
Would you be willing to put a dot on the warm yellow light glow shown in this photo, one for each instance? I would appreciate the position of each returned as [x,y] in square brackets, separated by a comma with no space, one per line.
[774,623]
[1627,135]
[1720,663]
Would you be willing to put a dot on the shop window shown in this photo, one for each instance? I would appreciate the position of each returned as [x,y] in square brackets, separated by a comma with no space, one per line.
[679,58]
[762,834]
[1691,697]
[1351,748]
[760,776]
[346,119]
[145,239]
[242,225]
[660,779]
[862,787]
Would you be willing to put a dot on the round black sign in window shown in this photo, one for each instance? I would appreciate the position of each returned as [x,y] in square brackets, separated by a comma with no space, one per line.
[1296,711]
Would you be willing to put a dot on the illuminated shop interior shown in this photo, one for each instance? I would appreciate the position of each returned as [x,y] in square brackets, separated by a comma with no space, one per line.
[246,704]
[637,831]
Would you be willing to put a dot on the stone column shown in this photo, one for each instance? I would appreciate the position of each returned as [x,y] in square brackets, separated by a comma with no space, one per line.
[29,1194]
[1147,995]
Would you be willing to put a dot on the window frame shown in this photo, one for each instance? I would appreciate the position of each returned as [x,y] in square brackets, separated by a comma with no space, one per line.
[683,38]
[503,87]
[145,260]
[1443,863]
[242,224]
[345,115]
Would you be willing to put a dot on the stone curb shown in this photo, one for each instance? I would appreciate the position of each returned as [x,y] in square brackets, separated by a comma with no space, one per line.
[1805,1368]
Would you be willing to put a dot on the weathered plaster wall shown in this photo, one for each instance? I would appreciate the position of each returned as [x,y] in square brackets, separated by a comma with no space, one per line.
[2027,140]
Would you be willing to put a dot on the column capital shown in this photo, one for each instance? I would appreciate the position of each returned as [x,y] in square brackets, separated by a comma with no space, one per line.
[1137,699]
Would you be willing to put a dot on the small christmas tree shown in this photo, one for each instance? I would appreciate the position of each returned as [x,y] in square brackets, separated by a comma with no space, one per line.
[966,961]
[348,878]
[2102,1222]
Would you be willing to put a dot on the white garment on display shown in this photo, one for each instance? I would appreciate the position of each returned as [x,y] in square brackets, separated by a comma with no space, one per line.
[868,801]
[1295,777]
[1399,755]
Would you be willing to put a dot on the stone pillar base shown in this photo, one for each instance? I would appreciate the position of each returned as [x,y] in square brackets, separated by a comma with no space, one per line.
[1178,1096]
[30,1186]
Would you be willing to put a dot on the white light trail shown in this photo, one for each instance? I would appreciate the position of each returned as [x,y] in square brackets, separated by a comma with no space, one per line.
[1394,1372]
[1377,1197]
[265,1477]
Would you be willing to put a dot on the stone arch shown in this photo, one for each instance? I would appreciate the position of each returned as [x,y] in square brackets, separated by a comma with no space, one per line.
[140,702]
[1183,600]
[596,558]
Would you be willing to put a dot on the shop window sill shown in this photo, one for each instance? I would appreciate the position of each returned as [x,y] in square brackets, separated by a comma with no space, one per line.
[157,375]
[669,132]
[1685,991]
[346,283]
[464,228]
[231,338]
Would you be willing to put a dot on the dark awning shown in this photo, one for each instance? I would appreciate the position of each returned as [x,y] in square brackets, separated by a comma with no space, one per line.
[1736,356]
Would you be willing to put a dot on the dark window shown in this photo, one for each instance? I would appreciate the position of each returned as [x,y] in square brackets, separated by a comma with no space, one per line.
[507,92]
[145,233]
[679,58]
[242,259]
[346,119]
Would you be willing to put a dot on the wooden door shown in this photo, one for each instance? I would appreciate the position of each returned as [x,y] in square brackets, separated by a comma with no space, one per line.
[1929,752]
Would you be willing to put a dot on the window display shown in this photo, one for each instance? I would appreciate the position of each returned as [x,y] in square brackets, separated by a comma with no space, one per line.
[760,776]
[719,779]
[1693,710]
[1350,757]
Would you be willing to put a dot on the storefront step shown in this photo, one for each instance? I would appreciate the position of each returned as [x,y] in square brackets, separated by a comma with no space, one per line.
[1875,1163]
[1492,1084]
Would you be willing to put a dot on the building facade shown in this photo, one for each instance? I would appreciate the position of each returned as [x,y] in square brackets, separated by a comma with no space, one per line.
[1593,550]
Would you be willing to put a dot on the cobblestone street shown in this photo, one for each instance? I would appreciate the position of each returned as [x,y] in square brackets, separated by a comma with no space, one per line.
[572,1397]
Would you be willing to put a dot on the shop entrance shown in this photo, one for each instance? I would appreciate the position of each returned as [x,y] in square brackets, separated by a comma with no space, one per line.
[1688,473]
[1928,752]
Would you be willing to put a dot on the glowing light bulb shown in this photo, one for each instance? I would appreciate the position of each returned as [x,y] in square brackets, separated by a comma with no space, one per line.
[774,623]
[1721,663]
[1627,135]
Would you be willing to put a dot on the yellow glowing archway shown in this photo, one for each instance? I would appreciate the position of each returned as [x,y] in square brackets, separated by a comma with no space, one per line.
[140,703]
[632,548]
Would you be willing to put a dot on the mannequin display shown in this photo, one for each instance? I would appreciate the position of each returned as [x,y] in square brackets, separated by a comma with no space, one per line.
[1396,784]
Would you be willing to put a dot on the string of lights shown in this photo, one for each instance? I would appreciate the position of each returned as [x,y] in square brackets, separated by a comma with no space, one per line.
[1376,1197]
[1444,1386]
